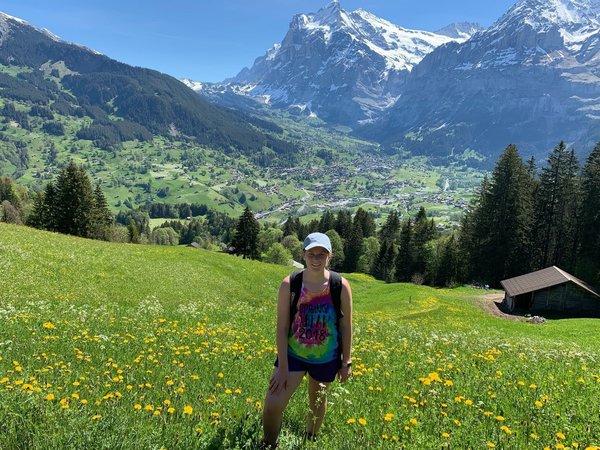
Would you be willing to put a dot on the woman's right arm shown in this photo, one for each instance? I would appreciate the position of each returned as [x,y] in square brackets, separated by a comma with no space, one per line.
[279,381]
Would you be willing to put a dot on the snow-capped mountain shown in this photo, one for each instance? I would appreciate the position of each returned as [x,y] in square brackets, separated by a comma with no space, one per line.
[460,31]
[345,67]
[532,78]
[5,29]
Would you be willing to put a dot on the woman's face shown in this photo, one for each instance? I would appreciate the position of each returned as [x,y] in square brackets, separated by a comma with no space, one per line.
[317,258]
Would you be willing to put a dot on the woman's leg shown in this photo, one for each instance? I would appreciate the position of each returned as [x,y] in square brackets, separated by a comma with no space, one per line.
[317,403]
[275,404]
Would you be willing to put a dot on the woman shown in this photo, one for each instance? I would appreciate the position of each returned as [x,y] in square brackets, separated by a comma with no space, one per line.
[314,335]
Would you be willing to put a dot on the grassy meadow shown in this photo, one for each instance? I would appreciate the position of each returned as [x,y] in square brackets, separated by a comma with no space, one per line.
[108,345]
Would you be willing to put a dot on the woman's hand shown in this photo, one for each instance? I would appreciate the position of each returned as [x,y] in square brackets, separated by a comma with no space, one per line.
[279,380]
[344,373]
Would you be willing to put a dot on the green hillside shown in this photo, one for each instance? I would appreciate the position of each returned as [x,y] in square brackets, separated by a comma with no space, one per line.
[119,346]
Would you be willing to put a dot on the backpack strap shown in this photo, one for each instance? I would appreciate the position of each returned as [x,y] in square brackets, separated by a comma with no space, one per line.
[335,288]
[295,290]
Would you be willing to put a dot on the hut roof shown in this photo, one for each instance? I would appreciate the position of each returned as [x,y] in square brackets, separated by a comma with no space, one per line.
[542,279]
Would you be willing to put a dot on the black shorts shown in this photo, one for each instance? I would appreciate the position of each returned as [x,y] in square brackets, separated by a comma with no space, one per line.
[325,373]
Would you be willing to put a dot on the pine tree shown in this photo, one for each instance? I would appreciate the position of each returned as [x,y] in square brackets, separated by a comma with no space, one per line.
[472,234]
[390,230]
[446,271]
[343,223]
[245,240]
[500,225]
[365,221]
[8,193]
[133,231]
[101,219]
[589,236]
[384,266]
[74,201]
[327,222]
[353,247]
[404,260]
[556,209]
[289,227]
[424,231]
[49,213]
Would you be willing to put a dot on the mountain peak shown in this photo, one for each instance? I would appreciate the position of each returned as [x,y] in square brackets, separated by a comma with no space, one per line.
[573,21]
[4,17]
[330,14]
[461,31]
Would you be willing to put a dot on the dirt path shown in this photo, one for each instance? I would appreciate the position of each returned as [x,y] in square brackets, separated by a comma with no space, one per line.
[491,303]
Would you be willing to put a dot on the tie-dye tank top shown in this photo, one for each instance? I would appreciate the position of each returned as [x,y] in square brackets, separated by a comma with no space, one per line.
[313,336]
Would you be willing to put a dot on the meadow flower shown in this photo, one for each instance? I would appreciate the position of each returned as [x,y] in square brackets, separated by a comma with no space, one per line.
[187,409]
[362,421]
[560,435]
[351,420]
[388,417]
[506,429]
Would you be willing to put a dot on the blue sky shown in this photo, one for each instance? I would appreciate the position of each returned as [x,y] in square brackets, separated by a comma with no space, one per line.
[210,40]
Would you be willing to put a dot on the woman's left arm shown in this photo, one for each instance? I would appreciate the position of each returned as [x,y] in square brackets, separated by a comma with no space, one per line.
[346,330]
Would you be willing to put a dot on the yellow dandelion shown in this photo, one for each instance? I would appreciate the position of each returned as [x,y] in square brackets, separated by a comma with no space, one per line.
[506,429]
[50,397]
[490,445]
[148,408]
[388,417]
[362,421]
[351,420]
[560,436]
[500,418]
[187,409]
[171,410]
[413,422]
[445,435]
[137,407]
[49,325]
[97,417]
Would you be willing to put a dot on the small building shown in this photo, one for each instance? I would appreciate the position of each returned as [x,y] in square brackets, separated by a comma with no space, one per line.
[194,245]
[551,290]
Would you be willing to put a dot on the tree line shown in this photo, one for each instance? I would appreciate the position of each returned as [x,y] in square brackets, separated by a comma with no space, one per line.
[524,219]
[521,220]
[70,205]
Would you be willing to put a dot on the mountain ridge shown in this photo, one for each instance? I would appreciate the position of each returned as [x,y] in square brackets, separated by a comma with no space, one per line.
[532,78]
[345,67]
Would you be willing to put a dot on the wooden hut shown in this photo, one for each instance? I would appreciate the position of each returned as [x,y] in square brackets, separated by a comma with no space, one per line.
[551,289]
